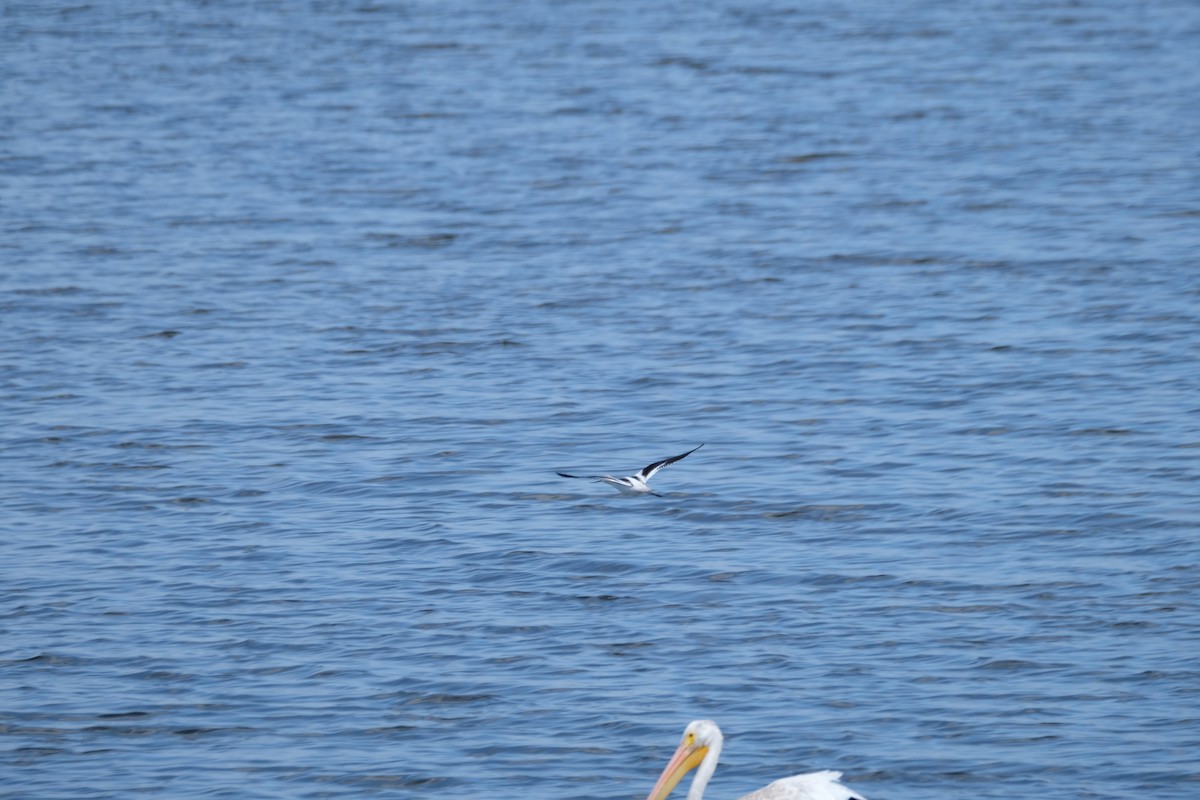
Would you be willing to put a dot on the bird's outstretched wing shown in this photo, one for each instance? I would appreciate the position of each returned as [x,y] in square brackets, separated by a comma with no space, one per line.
[646,473]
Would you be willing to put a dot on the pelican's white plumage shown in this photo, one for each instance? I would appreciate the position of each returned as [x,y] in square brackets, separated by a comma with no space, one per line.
[636,484]
[700,749]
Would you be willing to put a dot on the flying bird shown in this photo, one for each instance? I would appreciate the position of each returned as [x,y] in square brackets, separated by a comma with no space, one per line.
[636,484]
[701,746]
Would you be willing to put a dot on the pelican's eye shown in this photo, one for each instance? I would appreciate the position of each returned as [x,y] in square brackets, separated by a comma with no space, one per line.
[691,739]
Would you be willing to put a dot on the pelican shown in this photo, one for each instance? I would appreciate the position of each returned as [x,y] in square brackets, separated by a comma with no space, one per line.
[636,484]
[701,745]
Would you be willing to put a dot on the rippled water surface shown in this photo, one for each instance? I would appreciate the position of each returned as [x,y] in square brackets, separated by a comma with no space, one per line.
[303,305]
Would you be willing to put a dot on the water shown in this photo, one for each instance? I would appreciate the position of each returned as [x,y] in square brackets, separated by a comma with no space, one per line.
[303,306]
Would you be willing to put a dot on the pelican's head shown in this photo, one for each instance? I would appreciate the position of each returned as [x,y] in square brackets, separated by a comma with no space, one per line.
[699,739]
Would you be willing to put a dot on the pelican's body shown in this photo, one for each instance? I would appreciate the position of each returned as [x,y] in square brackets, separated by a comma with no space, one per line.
[636,484]
[701,748]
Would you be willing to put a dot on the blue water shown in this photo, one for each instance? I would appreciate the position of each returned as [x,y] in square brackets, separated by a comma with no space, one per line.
[303,305]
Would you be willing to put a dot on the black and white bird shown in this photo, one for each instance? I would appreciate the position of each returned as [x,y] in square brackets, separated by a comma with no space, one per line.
[636,484]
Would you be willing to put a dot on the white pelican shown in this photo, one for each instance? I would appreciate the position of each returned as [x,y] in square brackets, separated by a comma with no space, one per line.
[701,745]
[636,484]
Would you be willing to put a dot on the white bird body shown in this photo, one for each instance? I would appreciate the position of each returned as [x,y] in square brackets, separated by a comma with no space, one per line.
[636,484]
[821,785]
[700,749]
